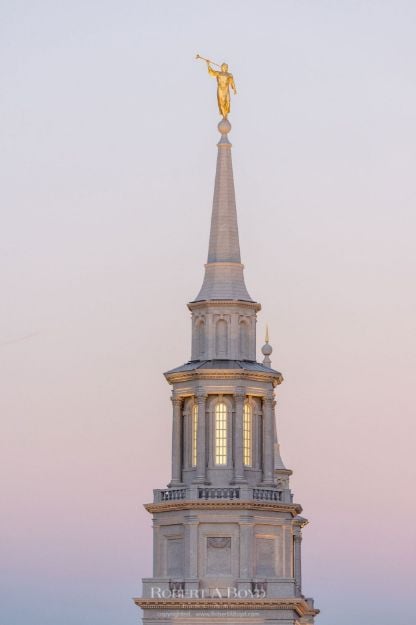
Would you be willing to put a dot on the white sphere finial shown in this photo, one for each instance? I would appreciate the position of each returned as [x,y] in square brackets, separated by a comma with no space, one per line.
[224,126]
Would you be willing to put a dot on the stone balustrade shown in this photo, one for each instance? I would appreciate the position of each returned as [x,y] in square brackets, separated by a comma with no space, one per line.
[226,492]
[219,493]
[170,494]
[267,494]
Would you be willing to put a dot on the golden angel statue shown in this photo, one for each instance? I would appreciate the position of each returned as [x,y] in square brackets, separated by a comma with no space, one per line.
[225,80]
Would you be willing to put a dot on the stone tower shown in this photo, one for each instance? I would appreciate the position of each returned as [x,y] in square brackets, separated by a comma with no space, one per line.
[226,532]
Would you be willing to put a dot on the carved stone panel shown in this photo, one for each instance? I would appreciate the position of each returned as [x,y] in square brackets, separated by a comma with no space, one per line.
[175,557]
[221,338]
[265,557]
[219,555]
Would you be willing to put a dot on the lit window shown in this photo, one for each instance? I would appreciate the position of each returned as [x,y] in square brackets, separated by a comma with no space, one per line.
[247,429]
[194,433]
[221,433]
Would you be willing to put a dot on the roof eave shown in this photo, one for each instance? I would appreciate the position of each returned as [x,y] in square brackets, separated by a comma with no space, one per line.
[184,376]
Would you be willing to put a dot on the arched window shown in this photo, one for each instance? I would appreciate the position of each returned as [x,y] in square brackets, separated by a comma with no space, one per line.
[244,340]
[200,338]
[247,435]
[221,338]
[194,446]
[220,434]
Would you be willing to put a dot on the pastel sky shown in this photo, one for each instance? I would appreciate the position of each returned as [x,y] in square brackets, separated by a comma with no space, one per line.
[107,164]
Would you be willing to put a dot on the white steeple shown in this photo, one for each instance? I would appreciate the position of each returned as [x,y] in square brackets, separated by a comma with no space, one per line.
[227,533]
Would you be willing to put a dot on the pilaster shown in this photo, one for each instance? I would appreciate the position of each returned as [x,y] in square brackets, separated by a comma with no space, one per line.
[191,546]
[297,560]
[246,546]
[156,548]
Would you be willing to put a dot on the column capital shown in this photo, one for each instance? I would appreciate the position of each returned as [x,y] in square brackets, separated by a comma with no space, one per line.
[268,397]
[176,399]
[240,393]
[201,393]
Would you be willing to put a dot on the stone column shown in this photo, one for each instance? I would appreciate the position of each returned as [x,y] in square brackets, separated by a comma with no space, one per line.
[268,439]
[186,437]
[238,437]
[176,441]
[297,561]
[201,443]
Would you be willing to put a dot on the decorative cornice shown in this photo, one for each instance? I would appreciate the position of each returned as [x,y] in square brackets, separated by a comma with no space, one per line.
[284,471]
[228,302]
[221,374]
[174,505]
[299,605]
[269,397]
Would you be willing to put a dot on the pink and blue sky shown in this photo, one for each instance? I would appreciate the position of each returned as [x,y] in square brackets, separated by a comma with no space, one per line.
[107,167]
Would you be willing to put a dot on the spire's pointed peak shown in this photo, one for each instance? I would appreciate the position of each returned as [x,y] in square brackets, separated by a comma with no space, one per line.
[224,272]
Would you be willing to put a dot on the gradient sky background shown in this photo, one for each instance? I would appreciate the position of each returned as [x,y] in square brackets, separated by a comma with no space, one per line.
[107,166]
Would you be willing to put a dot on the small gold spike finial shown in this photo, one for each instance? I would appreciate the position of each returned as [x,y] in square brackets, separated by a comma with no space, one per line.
[267,333]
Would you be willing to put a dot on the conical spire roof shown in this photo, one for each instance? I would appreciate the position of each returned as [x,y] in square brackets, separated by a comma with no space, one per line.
[224,279]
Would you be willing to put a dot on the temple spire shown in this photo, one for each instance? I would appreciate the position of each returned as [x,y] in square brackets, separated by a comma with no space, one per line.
[224,279]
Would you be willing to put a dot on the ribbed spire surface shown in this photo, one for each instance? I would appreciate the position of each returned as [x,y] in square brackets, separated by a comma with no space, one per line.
[224,277]
[224,246]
